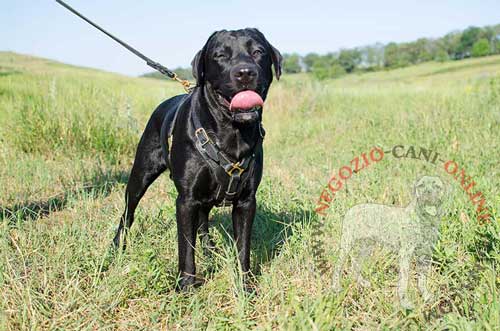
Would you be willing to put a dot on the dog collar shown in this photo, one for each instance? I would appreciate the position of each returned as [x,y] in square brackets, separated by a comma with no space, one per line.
[215,100]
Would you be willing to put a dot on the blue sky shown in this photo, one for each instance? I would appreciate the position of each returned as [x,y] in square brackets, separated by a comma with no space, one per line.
[171,32]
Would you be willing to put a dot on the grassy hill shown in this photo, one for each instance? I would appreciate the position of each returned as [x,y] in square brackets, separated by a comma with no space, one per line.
[68,137]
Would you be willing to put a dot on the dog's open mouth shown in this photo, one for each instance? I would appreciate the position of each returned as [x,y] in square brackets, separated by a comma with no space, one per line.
[430,204]
[244,106]
[431,210]
[246,101]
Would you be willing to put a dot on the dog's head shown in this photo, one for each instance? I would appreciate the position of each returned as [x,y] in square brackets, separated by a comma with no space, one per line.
[236,61]
[429,192]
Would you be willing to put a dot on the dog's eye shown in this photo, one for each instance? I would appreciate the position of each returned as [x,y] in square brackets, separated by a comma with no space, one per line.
[257,52]
[219,56]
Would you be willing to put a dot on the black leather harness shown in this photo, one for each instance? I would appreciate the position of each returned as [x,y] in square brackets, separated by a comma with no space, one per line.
[230,176]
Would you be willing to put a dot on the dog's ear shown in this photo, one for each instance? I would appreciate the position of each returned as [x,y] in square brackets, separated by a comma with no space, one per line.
[277,61]
[415,186]
[443,193]
[198,63]
[198,66]
[275,54]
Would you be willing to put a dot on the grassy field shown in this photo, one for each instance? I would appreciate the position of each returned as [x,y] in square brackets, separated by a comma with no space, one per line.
[68,137]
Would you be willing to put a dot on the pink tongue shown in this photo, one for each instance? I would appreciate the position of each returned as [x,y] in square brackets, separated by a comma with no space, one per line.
[246,100]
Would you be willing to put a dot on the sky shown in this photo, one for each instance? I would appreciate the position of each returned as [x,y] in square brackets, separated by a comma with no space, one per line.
[171,32]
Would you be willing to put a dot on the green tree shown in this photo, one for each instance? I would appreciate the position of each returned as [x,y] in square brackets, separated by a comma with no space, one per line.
[310,59]
[327,66]
[467,40]
[391,55]
[450,44]
[441,56]
[349,59]
[422,51]
[495,45]
[291,63]
[481,48]
[184,73]
[372,56]
[324,72]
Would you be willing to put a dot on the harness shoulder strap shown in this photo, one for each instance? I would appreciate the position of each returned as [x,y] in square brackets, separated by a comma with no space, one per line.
[168,126]
[170,132]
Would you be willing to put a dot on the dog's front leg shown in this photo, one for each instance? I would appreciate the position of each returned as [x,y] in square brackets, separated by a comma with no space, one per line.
[207,244]
[187,224]
[423,269]
[243,215]
[404,271]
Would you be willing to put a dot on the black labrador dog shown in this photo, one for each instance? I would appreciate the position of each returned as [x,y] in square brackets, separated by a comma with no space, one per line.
[213,152]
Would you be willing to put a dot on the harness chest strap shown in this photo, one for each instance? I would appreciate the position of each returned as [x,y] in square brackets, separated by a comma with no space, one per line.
[230,176]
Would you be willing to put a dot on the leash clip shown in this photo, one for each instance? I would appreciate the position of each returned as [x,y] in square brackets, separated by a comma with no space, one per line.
[184,82]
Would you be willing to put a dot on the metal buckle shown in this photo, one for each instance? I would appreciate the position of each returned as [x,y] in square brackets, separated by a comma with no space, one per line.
[205,135]
[235,166]
[169,142]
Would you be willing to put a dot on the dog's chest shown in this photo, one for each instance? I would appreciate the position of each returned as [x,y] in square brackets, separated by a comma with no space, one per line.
[425,236]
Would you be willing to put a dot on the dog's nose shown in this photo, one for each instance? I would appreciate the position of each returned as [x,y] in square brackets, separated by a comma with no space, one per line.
[245,74]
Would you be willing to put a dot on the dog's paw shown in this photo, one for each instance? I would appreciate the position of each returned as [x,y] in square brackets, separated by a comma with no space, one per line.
[249,288]
[427,297]
[211,251]
[336,287]
[187,283]
[406,304]
[365,283]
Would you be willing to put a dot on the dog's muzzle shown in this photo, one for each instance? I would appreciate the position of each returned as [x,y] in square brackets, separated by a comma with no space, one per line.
[246,107]
[430,202]
[246,116]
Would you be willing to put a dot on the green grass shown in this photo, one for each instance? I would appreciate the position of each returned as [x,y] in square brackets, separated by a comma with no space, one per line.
[68,137]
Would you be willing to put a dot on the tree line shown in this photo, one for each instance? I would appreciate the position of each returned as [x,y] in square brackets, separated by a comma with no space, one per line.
[184,73]
[456,45]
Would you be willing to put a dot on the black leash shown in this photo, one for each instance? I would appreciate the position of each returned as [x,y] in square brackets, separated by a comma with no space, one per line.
[153,64]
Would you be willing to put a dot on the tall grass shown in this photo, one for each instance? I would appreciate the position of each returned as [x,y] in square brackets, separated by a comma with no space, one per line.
[68,137]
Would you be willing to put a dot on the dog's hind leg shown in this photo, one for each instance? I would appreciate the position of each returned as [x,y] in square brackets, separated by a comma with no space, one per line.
[357,261]
[206,241]
[345,248]
[148,165]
